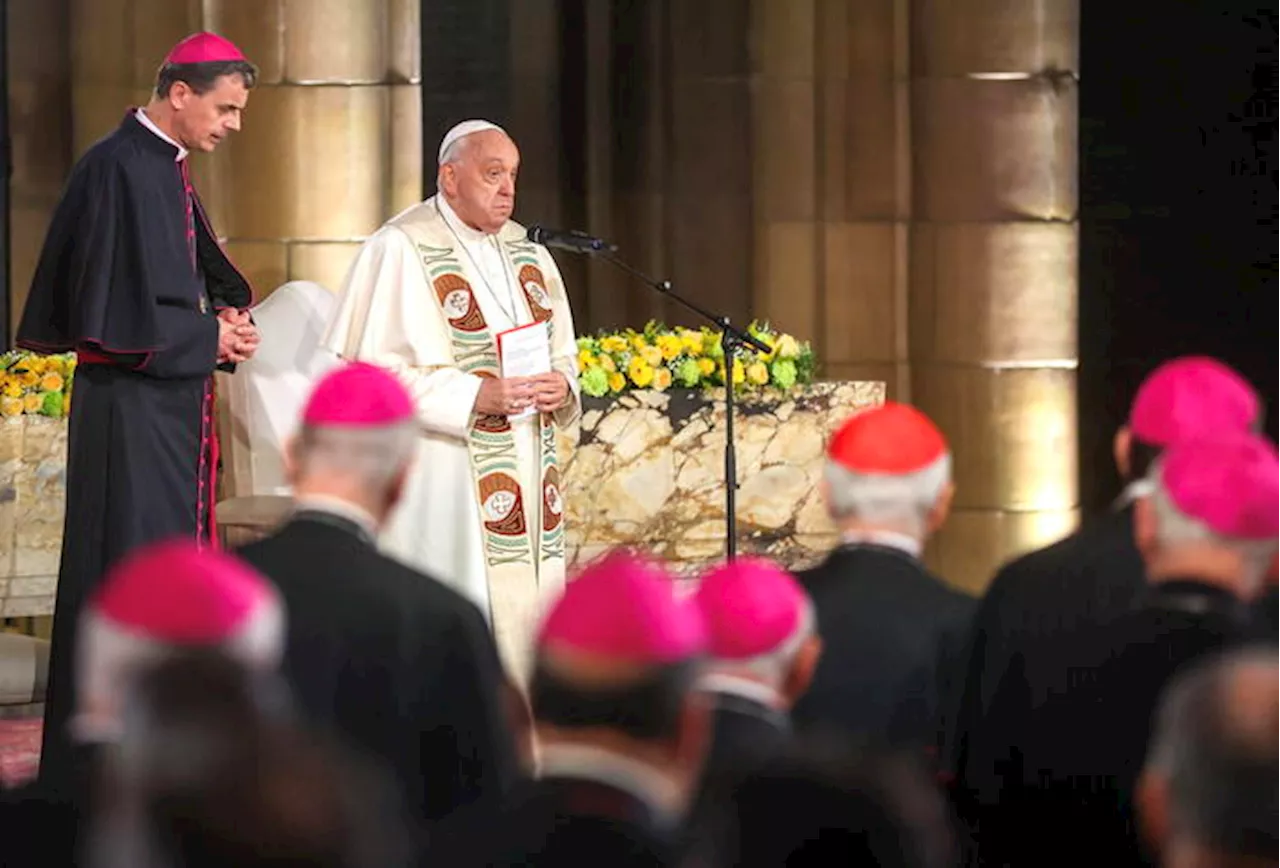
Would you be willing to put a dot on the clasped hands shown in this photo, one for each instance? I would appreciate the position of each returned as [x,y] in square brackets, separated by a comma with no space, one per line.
[237,336]
[511,395]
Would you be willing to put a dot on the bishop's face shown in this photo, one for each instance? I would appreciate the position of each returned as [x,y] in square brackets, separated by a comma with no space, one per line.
[202,121]
[481,186]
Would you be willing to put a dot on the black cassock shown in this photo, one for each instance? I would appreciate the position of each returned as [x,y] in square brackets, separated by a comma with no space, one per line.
[399,665]
[889,632]
[130,278]
[1036,608]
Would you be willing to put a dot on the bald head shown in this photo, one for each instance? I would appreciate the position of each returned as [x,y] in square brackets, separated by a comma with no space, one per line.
[1213,757]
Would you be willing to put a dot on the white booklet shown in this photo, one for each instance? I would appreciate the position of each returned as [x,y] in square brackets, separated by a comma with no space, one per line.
[525,351]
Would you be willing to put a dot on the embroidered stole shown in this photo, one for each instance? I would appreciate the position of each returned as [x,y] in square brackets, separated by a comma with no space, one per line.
[520,560]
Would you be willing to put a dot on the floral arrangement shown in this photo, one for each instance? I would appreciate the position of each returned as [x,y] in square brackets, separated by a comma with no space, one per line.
[661,358]
[35,385]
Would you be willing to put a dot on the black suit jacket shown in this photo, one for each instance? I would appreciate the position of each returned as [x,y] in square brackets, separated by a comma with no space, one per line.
[889,629]
[399,665]
[556,822]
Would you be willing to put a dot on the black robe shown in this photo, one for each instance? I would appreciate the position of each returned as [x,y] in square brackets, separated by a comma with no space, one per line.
[1081,748]
[557,821]
[399,665]
[130,278]
[1015,658]
[889,632]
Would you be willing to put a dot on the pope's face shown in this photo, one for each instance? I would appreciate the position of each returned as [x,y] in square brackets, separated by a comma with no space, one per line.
[202,121]
[481,186]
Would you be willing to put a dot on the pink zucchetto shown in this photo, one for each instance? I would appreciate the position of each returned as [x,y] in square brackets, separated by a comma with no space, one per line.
[1229,483]
[1191,397]
[624,609]
[892,439]
[358,395]
[750,607]
[204,47]
[160,599]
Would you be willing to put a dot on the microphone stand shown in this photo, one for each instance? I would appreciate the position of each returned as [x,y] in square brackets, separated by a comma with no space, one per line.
[731,340]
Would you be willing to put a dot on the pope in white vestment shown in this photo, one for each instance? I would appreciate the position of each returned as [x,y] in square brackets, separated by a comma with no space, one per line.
[425,298]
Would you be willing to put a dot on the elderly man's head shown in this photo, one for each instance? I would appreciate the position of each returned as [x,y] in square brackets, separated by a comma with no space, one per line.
[1208,792]
[477,175]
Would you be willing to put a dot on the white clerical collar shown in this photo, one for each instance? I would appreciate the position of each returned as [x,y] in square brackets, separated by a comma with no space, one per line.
[888,538]
[358,515]
[462,230]
[151,125]
[1136,490]
[589,763]
[743,688]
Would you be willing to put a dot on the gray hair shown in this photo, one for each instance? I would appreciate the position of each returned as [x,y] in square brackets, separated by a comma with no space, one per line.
[455,151]
[1176,528]
[372,456]
[1220,760]
[901,501]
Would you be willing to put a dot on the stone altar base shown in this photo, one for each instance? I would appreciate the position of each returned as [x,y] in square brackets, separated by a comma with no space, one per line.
[33,453]
[646,469]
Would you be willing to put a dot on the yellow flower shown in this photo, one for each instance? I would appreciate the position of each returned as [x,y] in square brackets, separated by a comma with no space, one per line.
[652,356]
[639,342]
[586,359]
[33,402]
[707,366]
[13,389]
[739,373]
[29,378]
[787,347]
[616,382]
[670,346]
[608,364]
[640,372]
[662,379]
[55,365]
[757,373]
[10,406]
[51,382]
[613,344]
[692,342]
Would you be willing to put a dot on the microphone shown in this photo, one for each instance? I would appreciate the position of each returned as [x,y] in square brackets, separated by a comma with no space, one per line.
[571,240]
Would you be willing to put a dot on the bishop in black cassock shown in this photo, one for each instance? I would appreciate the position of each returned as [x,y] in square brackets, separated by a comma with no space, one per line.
[133,280]
[399,665]
[1040,603]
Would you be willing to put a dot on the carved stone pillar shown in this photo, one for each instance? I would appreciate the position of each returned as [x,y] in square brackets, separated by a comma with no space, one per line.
[993,268]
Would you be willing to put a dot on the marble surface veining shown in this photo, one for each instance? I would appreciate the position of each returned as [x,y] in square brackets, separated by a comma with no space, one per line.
[33,451]
[646,469]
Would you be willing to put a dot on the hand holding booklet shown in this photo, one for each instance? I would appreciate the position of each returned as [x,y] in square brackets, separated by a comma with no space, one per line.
[525,351]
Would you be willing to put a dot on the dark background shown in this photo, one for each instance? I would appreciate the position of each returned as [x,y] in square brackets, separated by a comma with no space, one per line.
[1177,203]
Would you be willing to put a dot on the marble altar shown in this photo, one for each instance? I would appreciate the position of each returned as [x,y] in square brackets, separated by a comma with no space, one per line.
[33,451]
[646,469]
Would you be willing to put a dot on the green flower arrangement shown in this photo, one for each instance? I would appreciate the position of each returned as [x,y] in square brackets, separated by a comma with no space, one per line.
[35,385]
[660,358]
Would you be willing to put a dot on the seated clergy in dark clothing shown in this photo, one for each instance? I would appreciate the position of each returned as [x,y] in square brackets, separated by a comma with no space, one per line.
[160,600]
[1207,796]
[1207,532]
[889,627]
[395,662]
[762,648]
[1012,663]
[621,732]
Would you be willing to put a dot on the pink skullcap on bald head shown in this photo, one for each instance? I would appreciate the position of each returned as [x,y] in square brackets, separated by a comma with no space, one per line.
[204,47]
[1230,483]
[358,395]
[624,608]
[750,606]
[177,594]
[1191,397]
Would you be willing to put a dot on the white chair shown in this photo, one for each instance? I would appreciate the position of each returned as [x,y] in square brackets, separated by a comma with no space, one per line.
[260,405]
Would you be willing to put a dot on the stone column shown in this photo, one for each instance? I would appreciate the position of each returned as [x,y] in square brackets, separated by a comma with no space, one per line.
[993,268]
[331,144]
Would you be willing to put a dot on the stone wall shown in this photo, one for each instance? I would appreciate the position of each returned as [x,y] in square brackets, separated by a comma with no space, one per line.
[33,453]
